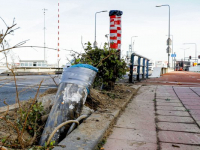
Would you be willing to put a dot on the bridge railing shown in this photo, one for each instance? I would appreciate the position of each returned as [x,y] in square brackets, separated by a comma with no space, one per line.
[138,67]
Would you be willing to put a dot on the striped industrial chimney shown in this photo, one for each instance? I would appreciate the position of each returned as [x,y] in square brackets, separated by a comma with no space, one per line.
[115,29]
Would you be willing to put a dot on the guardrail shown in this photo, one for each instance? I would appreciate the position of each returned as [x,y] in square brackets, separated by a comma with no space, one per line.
[141,63]
[34,70]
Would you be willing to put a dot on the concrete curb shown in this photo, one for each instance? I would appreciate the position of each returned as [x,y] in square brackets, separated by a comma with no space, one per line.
[91,132]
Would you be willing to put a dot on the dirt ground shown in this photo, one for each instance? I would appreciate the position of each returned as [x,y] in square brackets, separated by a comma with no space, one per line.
[104,100]
[97,100]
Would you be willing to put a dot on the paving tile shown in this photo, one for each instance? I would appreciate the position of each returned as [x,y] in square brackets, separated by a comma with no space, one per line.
[198,122]
[178,127]
[136,123]
[179,137]
[190,100]
[180,94]
[186,94]
[165,93]
[175,119]
[135,135]
[189,97]
[139,111]
[168,100]
[191,104]
[147,115]
[196,117]
[168,104]
[144,98]
[143,107]
[174,146]
[170,108]
[195,112]
[115,144]
[132,113]
[172,113]
[150,101]
[192,107]
[141,104]
[164,97]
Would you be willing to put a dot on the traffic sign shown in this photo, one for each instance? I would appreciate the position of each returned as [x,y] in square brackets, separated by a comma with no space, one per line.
[173,55]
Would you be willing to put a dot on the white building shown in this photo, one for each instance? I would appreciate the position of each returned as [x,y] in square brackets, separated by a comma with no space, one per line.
[33,63]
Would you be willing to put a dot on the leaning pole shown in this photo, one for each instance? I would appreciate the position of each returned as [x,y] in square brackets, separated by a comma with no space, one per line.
[69,100]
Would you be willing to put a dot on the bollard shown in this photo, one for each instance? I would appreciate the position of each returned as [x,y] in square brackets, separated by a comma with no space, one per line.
[70,98]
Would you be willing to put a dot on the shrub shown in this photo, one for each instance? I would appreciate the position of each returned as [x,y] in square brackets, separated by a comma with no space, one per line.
[108,63]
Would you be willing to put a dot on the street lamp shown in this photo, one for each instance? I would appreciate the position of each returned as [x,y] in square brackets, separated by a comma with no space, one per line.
[95,42]
[132,43]
[195,51]
[168,41]
[184,52]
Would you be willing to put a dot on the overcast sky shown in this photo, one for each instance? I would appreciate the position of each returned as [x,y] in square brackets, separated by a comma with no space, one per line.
[77,18]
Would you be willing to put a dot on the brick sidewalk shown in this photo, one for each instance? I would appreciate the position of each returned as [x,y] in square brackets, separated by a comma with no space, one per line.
[176,78]
[159,117]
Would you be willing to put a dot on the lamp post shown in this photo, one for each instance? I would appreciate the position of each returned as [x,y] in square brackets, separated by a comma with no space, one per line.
[95,42]
[184,52]
[132,43]
[168,41]
[195,50]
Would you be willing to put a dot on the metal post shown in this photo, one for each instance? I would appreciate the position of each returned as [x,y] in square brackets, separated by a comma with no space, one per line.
[196,53]
[95,42]
[168,60]
[184,54]
[131,68]
[147,74]
[168,43]
[132,43]
[95,27]
[174,62]
[138,69]
[172,48]
[143,69]
[169,38]
[44,35]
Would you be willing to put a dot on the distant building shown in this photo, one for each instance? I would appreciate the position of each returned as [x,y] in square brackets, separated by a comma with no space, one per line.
[151,65]
[33,63]
[161,64]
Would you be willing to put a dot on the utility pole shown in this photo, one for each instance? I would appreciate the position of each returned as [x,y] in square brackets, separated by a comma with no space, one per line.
[44,34]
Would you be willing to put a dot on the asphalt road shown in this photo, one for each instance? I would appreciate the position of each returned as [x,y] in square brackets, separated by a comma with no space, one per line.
[27,87]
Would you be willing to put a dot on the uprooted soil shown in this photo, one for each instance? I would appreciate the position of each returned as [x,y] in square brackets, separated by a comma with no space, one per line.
[102,100]
[97,100]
